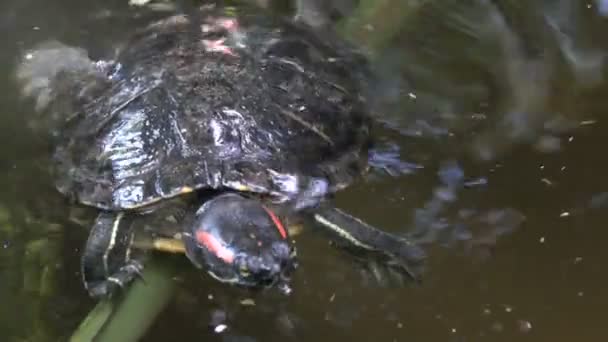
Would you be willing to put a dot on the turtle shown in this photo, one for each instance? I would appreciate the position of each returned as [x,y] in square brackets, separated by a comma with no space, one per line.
[231,119]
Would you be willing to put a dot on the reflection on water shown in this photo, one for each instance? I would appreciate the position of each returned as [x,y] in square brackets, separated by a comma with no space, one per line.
[489,154]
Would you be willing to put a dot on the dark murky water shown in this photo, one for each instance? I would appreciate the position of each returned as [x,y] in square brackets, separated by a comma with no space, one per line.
[525,85]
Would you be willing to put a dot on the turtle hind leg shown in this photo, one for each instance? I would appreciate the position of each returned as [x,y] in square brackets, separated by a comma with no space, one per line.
[108,262]
[352,233]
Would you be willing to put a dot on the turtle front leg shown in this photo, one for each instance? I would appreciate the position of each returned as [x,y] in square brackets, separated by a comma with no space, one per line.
[352,232]
[109,262]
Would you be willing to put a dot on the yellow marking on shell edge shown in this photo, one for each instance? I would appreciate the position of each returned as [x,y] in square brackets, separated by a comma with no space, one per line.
[142,203]
[241,187]
[186,189]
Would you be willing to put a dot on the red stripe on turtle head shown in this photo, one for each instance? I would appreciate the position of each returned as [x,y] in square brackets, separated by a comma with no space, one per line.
[277,223]
[215,246]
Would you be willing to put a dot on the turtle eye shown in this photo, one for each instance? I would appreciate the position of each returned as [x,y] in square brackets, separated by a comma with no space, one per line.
[243,272]
[241,266]
[280,250]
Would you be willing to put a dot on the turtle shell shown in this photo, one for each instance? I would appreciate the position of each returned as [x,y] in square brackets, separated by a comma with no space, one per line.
[219,99]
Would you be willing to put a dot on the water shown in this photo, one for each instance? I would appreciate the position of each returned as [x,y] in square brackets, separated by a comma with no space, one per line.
[510,200]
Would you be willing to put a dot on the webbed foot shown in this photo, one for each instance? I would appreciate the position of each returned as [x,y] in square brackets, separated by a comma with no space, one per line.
[116,281]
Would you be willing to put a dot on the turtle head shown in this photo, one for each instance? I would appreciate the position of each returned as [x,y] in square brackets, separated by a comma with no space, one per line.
[240,241]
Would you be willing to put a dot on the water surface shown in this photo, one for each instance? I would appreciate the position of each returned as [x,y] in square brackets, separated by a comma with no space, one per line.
[517,255]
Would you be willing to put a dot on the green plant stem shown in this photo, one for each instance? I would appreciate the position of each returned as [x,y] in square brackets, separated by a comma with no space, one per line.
[129,318]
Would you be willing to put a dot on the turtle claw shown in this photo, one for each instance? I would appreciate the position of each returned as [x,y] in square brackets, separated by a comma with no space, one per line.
[135,268]
[314,192]
[402,268]
[386,274]
[127,273]
[117,281]
[301,192]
